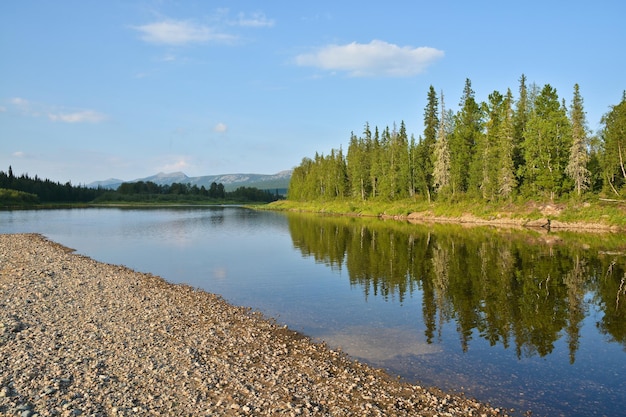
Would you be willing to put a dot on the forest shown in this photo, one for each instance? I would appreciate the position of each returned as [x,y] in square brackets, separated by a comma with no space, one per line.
[533,147]
[23,191]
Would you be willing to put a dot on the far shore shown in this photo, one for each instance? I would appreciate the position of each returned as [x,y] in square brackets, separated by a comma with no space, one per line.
[583,217]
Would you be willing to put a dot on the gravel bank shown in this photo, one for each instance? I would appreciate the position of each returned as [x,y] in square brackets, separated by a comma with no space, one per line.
[79,337]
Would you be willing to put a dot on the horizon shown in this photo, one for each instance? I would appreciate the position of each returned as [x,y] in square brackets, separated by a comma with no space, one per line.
[165,174]
[128,88]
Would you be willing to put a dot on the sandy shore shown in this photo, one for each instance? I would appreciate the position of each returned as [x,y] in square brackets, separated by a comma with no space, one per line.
[79,337]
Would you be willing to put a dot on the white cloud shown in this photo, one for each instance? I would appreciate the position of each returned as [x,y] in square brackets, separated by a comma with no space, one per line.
[178,165]
[377,58]
[84,116]
[179,32]
[2,109]
[24,106]
[20,102]
[19,154]
[255,20]
[56,113]
[220,128]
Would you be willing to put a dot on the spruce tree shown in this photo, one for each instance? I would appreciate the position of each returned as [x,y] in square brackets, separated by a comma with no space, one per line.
[486,161]
[423,154]
[506,149]
[468,128]
[579,158]
[403,187]
[520,118]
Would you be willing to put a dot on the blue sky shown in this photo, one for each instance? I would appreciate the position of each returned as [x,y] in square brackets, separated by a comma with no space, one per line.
[91,90]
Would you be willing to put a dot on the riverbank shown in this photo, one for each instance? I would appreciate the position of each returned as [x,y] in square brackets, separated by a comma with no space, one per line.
[600,216]
[79,337]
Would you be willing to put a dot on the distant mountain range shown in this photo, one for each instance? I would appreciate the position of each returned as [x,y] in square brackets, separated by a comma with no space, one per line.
[279,181]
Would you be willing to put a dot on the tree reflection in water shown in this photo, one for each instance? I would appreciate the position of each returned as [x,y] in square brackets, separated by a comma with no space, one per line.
[519,288]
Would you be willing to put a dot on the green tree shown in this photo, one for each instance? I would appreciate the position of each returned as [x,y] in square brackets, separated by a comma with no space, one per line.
[467,132]
[386,165]
[358,160]
[486,161]
[423,151]
[442,159]
[506,150]
[495,150]
[376,163]
[547,142]
[613,136]
[404,187]
[520,119]
[302,183]
[576,167]
[338,174]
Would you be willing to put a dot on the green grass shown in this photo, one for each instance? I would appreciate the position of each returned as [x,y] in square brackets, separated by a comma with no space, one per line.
[596,212]
[13,198]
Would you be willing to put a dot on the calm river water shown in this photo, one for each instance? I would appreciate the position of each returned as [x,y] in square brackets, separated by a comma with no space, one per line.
[521,319]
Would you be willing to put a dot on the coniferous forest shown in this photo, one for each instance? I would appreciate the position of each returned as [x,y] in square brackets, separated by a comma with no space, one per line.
[24,190]
[533,146]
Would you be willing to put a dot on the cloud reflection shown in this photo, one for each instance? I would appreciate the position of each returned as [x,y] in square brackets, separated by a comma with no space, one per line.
[378,345]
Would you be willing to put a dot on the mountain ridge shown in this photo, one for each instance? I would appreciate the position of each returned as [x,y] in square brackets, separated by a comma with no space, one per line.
[280,180]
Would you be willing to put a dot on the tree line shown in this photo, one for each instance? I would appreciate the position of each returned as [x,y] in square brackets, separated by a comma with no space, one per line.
[150,191]
[46,191]
[532,146]
[26,190]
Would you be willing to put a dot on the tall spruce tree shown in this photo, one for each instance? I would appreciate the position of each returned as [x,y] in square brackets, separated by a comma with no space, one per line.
[506,150]
[576,167]
[404,165]
[520,118]
[486,161]
[423,171]
[353,160]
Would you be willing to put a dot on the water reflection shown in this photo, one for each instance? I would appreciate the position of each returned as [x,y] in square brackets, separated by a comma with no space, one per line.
[521,290]
[379,344]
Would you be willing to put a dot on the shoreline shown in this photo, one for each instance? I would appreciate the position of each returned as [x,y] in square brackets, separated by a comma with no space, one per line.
[79,336]
[603,216]
[544,223]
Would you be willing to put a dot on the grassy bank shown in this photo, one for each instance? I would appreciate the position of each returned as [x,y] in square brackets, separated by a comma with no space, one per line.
[599,213]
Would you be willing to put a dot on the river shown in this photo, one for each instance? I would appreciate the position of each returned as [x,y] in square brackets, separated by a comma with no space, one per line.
[521,319]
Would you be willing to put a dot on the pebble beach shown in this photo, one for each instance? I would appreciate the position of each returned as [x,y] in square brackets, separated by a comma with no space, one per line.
[81,337]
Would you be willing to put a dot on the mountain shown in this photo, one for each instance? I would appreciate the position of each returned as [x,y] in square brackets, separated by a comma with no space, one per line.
[110,183]
[163,178]
[231,182]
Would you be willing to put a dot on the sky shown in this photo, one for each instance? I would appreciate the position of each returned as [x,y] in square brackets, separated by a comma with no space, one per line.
[92,90]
